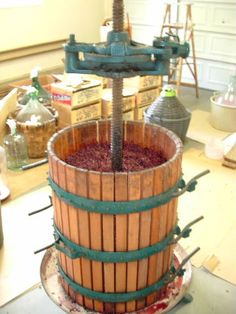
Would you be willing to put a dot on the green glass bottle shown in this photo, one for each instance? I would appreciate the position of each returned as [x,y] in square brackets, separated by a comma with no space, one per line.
[44,96]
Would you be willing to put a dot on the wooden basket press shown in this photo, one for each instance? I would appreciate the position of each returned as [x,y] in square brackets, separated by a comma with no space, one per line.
[114,232]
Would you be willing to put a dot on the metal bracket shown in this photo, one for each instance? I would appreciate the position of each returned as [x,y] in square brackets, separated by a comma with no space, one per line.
[121,57]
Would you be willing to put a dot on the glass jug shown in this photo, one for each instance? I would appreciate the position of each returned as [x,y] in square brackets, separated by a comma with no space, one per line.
[16,148]
[4,191]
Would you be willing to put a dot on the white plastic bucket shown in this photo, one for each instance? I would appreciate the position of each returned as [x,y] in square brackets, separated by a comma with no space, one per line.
[223,117]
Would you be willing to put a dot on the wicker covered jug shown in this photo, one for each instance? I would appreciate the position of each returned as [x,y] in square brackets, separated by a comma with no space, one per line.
[38,123]
[169,112]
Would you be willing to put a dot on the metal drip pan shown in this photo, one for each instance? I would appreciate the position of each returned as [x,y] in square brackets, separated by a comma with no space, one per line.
[51,283]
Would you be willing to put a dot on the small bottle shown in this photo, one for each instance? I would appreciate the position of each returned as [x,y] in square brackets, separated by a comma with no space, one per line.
[16,147]
[43,95]
[34,112]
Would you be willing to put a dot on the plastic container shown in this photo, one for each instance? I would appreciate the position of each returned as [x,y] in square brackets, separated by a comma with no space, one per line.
[228,96]
[223,108]
[214,149]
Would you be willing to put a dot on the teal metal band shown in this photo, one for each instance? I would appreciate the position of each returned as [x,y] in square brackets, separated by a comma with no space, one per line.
[74,250]
[115,208]
[119,297]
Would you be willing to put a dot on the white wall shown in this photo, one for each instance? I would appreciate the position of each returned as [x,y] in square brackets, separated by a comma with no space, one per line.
[53,20]
[108,8]
[214,32]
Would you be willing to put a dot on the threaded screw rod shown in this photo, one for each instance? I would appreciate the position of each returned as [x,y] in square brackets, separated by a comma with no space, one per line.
[117,125]
[117,99]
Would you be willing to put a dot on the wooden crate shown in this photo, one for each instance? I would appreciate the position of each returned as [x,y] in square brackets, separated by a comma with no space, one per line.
[146,97]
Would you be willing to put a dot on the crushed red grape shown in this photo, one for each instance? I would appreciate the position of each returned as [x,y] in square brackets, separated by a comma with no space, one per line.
[97,157]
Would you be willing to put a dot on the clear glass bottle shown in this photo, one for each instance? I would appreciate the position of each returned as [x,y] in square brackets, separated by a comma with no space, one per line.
[4,190]
[16,147]
[34,112]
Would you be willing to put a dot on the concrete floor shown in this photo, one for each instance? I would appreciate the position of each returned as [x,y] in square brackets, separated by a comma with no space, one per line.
[210,293]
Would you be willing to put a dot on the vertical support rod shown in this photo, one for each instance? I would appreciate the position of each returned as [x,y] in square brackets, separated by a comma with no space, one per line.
[117,99]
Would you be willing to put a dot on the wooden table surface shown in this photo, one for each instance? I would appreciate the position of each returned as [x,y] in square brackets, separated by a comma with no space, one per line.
[24,181]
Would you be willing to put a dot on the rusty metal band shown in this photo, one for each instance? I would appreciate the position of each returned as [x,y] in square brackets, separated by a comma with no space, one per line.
[168,277]
[115,208]
[73,250]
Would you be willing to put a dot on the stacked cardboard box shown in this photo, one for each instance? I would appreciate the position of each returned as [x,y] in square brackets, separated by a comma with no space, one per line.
[148,88]
[129,100]
[77,104]
[45,80]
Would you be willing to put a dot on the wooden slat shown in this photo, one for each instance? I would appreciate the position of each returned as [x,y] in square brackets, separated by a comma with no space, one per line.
[94,192]
[174,214]
[138,133]
[65,217]
[231,154]
[71,179]
[108,228]
[84,235]
[155,261]
[121,223]
[65,263]
[144,232]
[167,214]
[134,193]
[104,132]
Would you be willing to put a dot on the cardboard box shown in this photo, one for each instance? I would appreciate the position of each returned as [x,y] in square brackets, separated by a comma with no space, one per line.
[75,97]
[91,77]
[128,102]
[143,82]
[147,97]
[74,116]
[128,115]
[44,80]
[139,113]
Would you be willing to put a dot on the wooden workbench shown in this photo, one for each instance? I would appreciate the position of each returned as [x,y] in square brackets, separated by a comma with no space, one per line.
[23,181]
